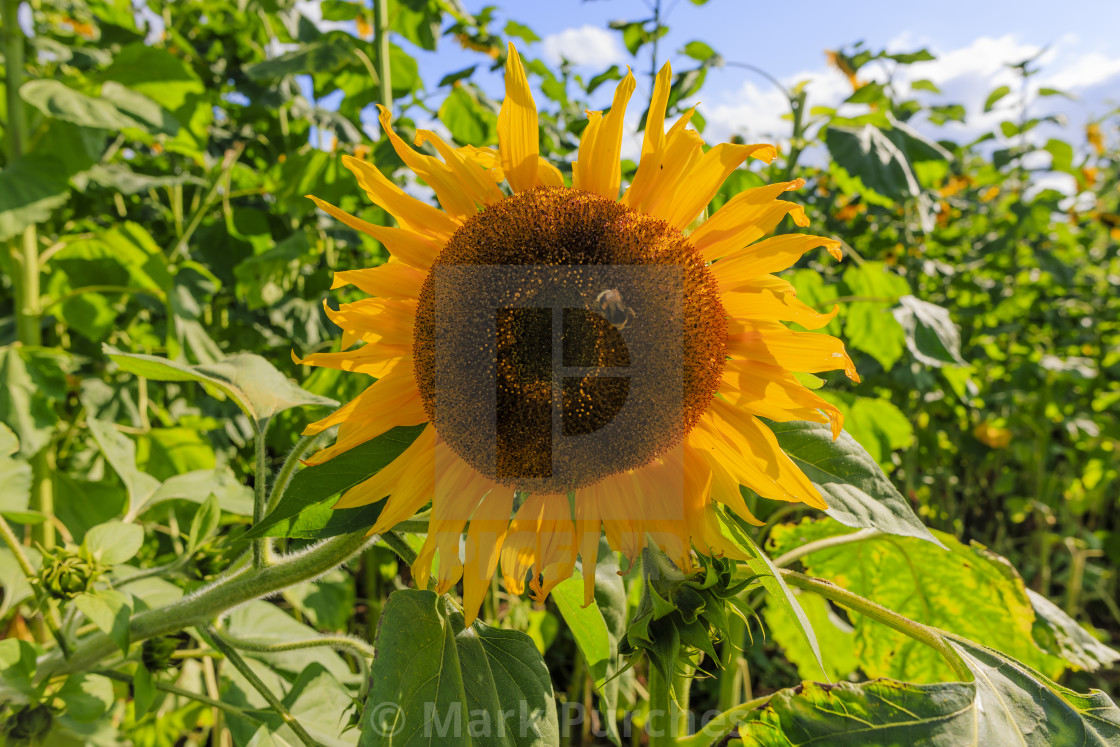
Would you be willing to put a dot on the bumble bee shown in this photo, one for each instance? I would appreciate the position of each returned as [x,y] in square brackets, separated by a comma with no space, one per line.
[611,305]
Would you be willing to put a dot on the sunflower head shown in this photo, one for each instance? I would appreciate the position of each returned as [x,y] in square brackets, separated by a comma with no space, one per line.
[583,361]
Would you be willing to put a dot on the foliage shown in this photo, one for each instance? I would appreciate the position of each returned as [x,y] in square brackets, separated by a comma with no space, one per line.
[163,265]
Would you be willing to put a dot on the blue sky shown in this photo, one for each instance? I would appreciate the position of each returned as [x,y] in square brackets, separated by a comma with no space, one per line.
[974,41]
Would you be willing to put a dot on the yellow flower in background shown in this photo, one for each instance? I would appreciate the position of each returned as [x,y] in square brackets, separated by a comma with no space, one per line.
[509,226]
[1095,137]
[990,193]
[992,435]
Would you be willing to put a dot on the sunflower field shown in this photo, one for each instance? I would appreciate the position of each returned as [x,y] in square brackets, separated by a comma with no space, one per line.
[341,406]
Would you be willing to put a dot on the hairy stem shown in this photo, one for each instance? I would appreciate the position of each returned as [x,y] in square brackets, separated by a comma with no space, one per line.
[173,690]
[262,548]
[247,672]
[213,600]
[381,39]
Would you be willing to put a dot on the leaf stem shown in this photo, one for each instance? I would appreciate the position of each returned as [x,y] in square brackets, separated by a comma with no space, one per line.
[262,548]
[173,690]
[247,672]
[808,549]
[721,724]
[381,39]
[923,633]
[397,544]
[361,650]
[288,469]
[213,600]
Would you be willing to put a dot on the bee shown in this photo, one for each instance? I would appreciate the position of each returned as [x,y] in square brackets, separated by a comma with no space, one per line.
[611,305]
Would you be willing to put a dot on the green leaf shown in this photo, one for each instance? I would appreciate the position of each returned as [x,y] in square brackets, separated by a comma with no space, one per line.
[762,567]
[908,58]
[699,51]
[876,424]
[143,690]
[32,187]
[588,628]
[470,121]
[251,381]
[313,486]
[835,635]
[968,591]
[513,28]
[1061,155]
[120,452]
[58,101]
[326,54]
[995,96]
[924,85]
[869,324]
[110,611]
[857,492]
[86,697]
[120,178]
[113,542]
[204,523]
[868,155]
[434,682]
[198,485]
[13,582]
[265,623]
[17,669]
[1056,92]
[1061,635]
[15,489]
[931,335]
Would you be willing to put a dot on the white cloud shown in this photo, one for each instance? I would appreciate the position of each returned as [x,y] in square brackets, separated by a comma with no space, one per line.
[586,45]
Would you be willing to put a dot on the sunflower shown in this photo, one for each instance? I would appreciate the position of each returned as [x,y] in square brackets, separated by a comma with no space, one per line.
[698,301]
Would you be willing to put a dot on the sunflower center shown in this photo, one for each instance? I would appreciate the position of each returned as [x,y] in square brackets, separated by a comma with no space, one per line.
[562,337]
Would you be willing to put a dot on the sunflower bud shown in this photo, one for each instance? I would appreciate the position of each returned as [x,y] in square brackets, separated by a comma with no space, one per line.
[156,653]
[67,573]
[28,725]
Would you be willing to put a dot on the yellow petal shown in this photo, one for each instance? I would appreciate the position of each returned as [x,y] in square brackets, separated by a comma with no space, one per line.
[375,320]
[411,213]
[708,175]
[771,255]
[393,279]
[683,150]
[774,393]
[589,529]
[414,461]
[548,175]
[601,172]
[582,175]
[485,536]
[541,537]
[775,345]
[390,401]
[410,247]
[372,360]
[473,177]
[454,195]
[653,142]
[518,139]
[767,305]
[747,217]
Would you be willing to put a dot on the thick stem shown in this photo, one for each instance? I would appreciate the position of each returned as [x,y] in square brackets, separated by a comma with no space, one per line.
[288,469]
[16,134]
[381,39]
[927,635]
[247,672]
[213,600]
[398,545]
[659,724]
[731,675]
[262,548]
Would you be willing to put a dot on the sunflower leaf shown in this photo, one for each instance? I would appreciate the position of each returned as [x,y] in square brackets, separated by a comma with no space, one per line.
[305,507]
[854,487]
[252,382]
[435,682]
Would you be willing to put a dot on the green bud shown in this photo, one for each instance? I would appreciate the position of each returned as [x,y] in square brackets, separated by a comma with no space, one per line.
[28,725]
[156,653]
[66,573]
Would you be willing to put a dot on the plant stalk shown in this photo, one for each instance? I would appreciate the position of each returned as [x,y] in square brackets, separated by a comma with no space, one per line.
[381,39]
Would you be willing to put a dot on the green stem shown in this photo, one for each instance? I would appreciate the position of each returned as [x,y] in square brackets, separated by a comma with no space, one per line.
[262,548]
[398,545]
[808,549]
[731,676]
[923,633]
[721,724]
[660,722]
[287,470]
[16,134]
[213,600]
[381,39]
[50,614]
[361,650]
[231,157]
[173,690]
[247,672]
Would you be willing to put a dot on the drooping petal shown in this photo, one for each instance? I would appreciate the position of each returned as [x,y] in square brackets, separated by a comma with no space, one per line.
[773,344]
[747,217]
[407,481]
[410,247]
[542,537]
[485,536]
[458,491]
[770,255]
[518,138]
[412,214]
[589,529]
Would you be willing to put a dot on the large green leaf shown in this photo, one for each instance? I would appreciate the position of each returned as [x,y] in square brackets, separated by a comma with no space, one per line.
[931,335]
[26,394]
[315,486]
[869,324]
[15,489]
[324,55]
[32,187]
[120,452]
[58,101]
[968,590]
[251,381]
[1007,704]
[869,155]
[434,682]
[856,490]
